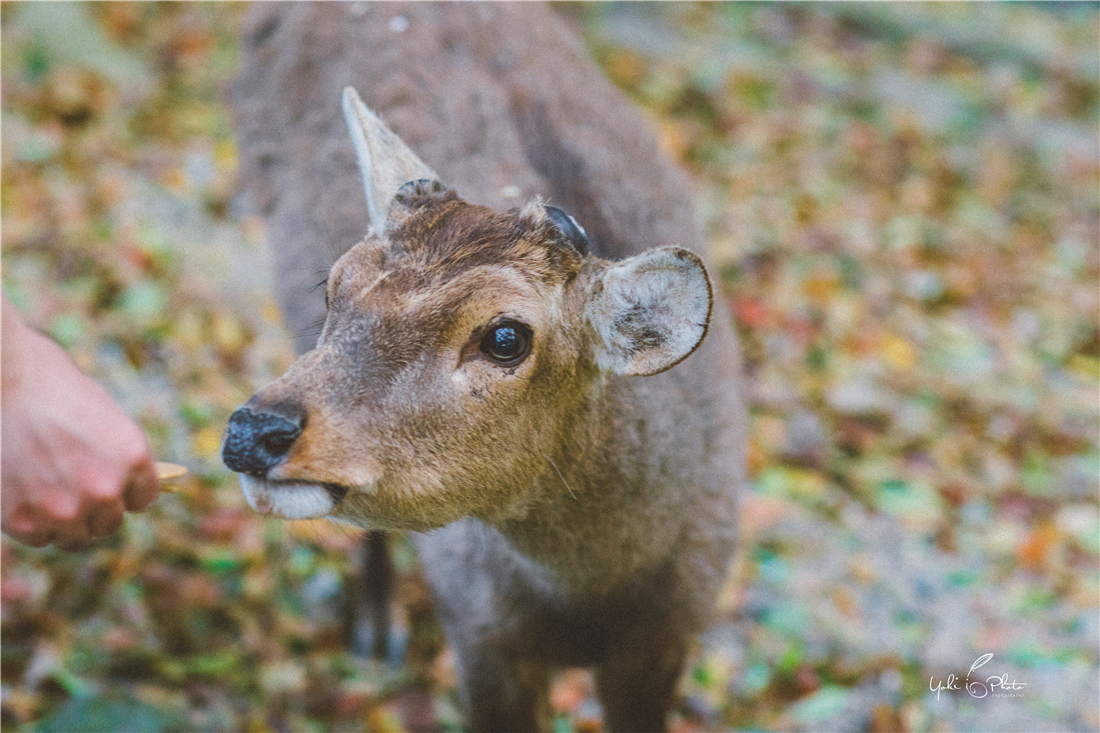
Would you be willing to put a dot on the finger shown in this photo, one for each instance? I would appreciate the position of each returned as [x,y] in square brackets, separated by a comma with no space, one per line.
[30,526]
[39,538]
[104,519]
[74,545]
[141,488]
[73,538]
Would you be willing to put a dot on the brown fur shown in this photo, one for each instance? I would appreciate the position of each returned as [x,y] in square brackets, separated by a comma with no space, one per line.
[578,516]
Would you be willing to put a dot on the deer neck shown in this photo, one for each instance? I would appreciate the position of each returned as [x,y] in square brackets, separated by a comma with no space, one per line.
[591,498]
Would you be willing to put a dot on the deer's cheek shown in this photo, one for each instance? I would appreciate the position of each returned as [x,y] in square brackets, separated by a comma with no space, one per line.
[482,380]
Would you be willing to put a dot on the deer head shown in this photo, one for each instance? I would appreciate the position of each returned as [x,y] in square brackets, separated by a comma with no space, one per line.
[463,351]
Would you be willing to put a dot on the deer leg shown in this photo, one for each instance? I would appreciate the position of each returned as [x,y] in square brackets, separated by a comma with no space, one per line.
[367,614]
[637,690]
[502,695]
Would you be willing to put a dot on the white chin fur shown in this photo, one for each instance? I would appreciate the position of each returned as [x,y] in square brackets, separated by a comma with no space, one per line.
[286,500]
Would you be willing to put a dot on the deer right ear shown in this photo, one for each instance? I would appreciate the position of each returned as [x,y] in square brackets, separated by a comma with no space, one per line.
[385,161]
[650,311]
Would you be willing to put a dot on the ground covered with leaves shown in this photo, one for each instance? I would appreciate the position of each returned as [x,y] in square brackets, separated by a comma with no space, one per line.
[903,203]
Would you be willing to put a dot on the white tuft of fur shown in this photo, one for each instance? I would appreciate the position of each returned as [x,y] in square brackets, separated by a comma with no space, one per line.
[287,500]
[534,211]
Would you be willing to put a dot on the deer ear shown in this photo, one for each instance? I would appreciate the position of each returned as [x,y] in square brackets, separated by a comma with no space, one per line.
[650,311]
[385,161]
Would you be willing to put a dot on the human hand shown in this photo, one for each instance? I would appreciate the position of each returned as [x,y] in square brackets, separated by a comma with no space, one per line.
[72,460]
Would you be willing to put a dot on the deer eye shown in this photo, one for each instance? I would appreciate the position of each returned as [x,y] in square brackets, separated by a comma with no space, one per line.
[507,343]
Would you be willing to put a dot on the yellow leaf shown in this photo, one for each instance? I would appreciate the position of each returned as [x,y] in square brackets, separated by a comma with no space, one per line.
[187,328]
[626,68]
[270,311]
[821,288]
[225,155]
[673,138]
[898,352]
[806,483]
[208,442]
[1086,367]
[229,333]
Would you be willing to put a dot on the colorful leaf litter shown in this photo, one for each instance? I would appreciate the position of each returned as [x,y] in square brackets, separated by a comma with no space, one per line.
[902,202]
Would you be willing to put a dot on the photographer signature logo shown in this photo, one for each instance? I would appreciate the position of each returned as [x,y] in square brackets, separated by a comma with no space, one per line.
[998,686]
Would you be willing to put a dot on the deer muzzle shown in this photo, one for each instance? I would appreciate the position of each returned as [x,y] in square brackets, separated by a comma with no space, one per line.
[256,442]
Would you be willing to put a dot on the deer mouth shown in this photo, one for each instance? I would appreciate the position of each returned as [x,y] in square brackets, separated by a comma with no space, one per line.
[291,499]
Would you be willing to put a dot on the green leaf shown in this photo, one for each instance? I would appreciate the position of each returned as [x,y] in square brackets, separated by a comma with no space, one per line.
[221,562]
[110,713]
[197,414]
[963,578]
[67,33]
[822,705]
[787,618]
[916,502]
[1037,475]
[144,301]
[213,665]
[791,659]
[757,678]
[68,329]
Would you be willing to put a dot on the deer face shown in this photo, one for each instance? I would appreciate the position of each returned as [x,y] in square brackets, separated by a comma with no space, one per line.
[439,372]
[461,349]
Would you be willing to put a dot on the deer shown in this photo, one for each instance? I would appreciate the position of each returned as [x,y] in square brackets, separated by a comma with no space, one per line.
[521,362]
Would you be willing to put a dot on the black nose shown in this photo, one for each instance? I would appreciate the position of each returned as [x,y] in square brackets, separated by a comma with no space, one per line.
[256,441]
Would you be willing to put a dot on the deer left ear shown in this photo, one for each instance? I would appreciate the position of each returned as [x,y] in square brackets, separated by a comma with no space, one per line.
[385,161]
[650,311]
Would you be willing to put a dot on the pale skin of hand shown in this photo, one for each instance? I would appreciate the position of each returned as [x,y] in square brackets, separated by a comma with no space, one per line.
[72,461]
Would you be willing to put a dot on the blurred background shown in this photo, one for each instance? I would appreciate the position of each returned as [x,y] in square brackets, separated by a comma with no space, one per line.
[902,200]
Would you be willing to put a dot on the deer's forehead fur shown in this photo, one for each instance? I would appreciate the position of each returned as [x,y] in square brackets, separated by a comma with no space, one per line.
[432,238]
[444,269]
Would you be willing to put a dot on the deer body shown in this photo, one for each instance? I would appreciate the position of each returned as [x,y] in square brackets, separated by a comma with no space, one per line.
[483,378]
